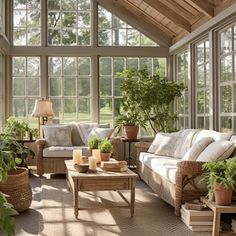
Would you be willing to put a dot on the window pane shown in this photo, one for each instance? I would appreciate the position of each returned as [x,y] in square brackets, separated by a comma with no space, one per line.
[119,65]
[133,63]
[200,122]
[33,86]
[226,123]
[106,111]
[55,66]
[70,86]
[33,66]
[19,86]
[105,86]
[105,65]
[84,86]
[200,102]
[84,109]
[19,109]
[226,98]
[55,86]
[69,109]
[19,66]
[200,53]
[226,41]
[69,66]
[226,68]
[84,66]
[57,108]
[19,37]
[84,5]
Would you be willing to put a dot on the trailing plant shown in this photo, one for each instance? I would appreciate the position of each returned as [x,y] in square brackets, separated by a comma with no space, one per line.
[7,222]
[105,146]
[222,172]
[19,151]
[94,142]
[148,99]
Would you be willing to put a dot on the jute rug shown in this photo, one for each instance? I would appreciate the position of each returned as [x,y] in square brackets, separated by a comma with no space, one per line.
[152,215]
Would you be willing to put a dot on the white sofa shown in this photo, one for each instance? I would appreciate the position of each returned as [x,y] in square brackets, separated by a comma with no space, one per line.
[176,178]
[60,140]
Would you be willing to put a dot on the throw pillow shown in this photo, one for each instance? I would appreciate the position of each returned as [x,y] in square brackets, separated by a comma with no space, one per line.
[193,153]
[57,135]
[155,143]
[169,146]
[85,129]
[101,132]
[217,151]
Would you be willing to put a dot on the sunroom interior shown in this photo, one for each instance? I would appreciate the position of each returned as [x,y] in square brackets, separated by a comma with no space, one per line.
[70,51]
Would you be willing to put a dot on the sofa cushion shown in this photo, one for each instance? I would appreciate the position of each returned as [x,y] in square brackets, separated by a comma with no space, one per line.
[164,166]
[85,129]
[75,135]
[193,153]
[211,133]
[169,146]
[217,151]
[62,151]
[57,135]
[101,133]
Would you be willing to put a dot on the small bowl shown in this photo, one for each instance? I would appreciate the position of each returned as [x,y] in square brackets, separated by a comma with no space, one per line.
[82,168]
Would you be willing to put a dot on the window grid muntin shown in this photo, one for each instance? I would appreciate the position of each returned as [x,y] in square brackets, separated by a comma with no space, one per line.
[229,117]
[62,97]
[26,27]
[26,97]
[205,116]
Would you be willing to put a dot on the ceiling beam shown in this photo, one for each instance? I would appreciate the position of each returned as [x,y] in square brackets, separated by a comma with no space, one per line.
[203,6]
[170,14]
[138,21]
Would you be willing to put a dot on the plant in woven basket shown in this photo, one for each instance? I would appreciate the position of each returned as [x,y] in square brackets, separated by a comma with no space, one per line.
[7,222]
[220,177]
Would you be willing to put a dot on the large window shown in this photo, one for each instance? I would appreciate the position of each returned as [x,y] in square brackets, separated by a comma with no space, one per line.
[26,22]
[182,106]
[69,22]
[110,96]
[112,31]
[26,86]
[69,87]
[227,78]
[202,84]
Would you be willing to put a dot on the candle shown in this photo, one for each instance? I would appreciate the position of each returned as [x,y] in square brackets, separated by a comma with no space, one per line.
[97,154]
[77,157]
[93,163]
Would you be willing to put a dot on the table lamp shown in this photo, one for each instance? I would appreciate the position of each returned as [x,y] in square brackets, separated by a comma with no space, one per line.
[42,110]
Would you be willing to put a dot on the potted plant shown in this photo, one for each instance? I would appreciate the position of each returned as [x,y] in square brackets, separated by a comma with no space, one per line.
[220,177]
[150,98]
[7,222]
[94,142]
[105,148]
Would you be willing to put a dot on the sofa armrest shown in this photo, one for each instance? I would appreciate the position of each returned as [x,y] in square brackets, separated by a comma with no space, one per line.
[190,167]
[40,142]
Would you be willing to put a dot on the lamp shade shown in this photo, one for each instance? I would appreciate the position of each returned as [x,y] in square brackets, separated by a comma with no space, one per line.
[42,108]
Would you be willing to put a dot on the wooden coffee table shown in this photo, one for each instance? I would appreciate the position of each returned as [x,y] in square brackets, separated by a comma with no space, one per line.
[101,181]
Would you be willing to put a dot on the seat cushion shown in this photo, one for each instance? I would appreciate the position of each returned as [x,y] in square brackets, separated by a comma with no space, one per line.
[63,151]
[164,166]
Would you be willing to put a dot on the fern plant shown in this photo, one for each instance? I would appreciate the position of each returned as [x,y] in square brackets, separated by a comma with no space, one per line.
[221,172]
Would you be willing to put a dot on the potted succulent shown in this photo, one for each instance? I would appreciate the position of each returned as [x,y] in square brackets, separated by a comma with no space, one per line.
[7,222]
[105,148]
[220,177]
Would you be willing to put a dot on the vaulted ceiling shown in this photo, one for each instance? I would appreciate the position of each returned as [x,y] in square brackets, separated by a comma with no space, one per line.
[170,20]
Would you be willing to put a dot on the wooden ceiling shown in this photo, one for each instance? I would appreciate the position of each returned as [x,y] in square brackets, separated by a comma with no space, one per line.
[171,19]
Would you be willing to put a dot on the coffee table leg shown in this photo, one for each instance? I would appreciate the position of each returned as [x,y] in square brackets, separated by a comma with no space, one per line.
[75,198]
[132,198]
[216,224]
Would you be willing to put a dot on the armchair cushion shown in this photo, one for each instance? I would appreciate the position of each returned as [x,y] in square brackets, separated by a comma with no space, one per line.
[101,132]
[57,135]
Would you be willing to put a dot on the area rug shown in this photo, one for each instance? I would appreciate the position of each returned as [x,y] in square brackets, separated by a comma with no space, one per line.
[152,215]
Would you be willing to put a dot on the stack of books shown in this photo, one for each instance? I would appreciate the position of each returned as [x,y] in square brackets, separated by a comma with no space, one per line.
[115,166]
[197,220]
[233,224]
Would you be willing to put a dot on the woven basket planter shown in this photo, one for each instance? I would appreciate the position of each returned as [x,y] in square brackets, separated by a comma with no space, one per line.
[18,188]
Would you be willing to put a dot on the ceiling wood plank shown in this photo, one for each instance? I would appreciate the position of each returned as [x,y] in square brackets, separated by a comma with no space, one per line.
[132,17]
[170,14]
[203,6]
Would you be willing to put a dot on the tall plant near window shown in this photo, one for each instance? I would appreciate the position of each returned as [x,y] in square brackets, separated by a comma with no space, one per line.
[151,96]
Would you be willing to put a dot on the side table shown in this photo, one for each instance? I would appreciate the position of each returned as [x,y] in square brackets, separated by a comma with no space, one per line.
[217,209]
[129,141]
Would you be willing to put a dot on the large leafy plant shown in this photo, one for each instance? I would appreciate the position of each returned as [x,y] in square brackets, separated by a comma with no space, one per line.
[7,222]
[222,172]
[148,99]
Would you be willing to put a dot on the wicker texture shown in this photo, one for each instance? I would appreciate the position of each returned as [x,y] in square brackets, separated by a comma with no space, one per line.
[174,194]
[57,164]
[18,188]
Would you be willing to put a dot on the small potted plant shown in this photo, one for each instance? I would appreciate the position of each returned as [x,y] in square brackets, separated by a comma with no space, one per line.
[220,177]
[105,148]
[94,142]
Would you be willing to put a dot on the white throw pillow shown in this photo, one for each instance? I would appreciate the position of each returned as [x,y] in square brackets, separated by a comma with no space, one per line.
[169,146]
[155,142]
[217,151]
[85,129]
[101,132]
[57,135]
[193,153]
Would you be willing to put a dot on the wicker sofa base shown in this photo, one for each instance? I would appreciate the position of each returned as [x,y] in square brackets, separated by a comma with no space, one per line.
[169,192]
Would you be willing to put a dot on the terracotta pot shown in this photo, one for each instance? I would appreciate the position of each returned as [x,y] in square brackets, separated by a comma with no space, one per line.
[105,156]
[223,196]
[131,131]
